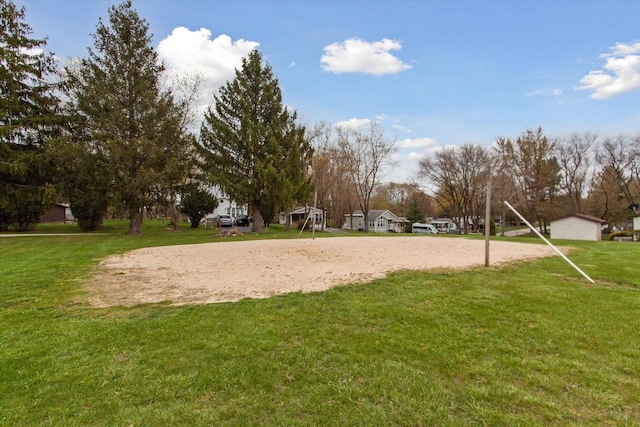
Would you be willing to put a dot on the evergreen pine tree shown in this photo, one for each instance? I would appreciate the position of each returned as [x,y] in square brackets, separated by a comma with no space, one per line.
[254,149]
[414,214]
[130,119]
[28,119]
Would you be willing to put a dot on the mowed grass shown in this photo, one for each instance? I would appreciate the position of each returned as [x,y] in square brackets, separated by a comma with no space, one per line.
[531,343]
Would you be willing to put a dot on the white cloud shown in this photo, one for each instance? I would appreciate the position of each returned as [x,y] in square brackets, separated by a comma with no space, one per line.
[189,52]
[416,142]
[360,56]
[554,93]
[402,129]
[622,49]
[403,168]
[395,122]
[409,156]
[354,123]
[620,74]
[433,149]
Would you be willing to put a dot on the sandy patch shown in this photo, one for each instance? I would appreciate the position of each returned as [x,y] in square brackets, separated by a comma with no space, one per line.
[232,270]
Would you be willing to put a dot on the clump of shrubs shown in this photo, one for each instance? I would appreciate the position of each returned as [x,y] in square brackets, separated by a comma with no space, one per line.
[613,235]
[492,227]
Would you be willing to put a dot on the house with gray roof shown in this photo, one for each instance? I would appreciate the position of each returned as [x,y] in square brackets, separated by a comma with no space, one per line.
[380,221]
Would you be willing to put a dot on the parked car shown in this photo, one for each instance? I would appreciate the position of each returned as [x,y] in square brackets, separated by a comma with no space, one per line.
[242,221]
[225,221]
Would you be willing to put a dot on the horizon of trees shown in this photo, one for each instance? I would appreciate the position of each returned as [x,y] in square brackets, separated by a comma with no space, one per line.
[544,178]
[110,134]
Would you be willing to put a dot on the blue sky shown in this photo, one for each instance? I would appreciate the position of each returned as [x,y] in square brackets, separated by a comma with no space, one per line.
[432,73]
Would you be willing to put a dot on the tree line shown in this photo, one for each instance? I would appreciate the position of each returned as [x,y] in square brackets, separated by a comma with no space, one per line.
[543,177]
[111,132]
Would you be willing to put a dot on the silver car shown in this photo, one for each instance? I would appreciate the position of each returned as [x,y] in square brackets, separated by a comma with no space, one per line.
[225,221]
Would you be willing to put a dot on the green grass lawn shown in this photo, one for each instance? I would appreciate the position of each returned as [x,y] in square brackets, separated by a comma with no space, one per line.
[528,344]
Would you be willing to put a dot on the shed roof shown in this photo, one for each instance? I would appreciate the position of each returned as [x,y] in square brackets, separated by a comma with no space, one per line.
[581,216]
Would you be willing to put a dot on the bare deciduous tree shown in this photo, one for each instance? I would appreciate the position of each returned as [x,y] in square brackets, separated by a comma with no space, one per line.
[458,176]
[324,165]
[365,155]
[530,160]
[621,156]
[398,197]
[440,173]
[182,163]
[575,164]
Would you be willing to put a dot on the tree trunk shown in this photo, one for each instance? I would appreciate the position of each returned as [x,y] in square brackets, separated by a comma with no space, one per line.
[135,221]
[174,212]
[175,219]
[287,221]
[257,219]
[366,221]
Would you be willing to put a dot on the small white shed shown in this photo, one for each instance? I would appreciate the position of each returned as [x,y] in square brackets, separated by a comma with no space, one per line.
[577,227]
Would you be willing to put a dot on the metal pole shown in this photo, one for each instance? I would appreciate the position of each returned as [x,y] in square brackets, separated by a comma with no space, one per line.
[315,202]
[548,242]
[487,223]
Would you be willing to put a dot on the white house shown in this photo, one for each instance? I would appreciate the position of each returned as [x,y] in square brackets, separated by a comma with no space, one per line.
[300,214]
[636,228]
[577,227]
[226,205]
[380,221]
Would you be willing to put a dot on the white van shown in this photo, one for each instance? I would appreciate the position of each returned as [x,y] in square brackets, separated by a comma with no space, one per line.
[417,227]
